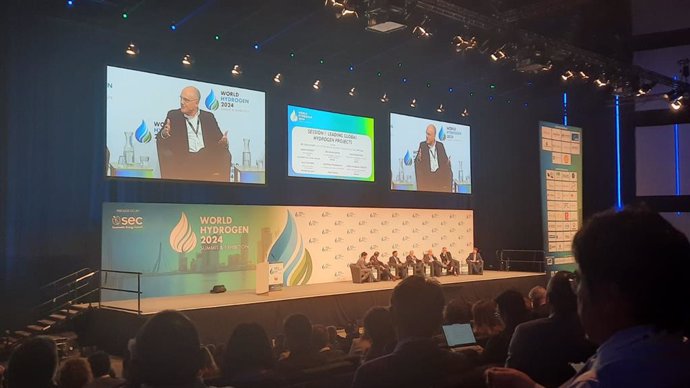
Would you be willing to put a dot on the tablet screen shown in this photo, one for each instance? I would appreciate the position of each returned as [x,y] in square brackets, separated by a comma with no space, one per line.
[459,334]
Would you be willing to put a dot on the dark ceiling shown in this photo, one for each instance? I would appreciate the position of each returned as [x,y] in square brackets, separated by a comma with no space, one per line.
[306,34]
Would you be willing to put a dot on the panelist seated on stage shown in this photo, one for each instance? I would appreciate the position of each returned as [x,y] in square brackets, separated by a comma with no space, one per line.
[415,263]
[450,263]
[434,262]
[364,268]
[475,263]
[383,268]
[399,266]
[191,145]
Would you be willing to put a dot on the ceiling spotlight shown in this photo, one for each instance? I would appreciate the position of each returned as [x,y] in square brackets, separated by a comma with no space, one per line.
[464,43]
[499,54]
[236,70]
[465,113]
[645,87]
[677,104]
[278,78]
[440,109]
[421,32]
[316,85]
[132,50]
[673,94]
[413,103]
[602,81]
[348,12]
[187,60]
[384,99]
[583,75]
[567,75]
[352,92]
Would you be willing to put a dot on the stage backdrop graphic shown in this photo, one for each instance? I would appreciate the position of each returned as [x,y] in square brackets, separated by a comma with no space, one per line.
[561,187]
[137,104]
[186,249]
[408,132]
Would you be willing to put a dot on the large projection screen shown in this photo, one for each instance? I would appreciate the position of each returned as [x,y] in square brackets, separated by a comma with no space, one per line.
[430,155]
[160,127]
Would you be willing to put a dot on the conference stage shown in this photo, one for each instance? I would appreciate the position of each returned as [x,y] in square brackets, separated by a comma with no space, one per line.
[334,303]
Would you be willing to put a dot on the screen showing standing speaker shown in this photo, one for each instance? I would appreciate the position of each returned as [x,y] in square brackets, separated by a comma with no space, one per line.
[330,145]
[160,127]
[430,155]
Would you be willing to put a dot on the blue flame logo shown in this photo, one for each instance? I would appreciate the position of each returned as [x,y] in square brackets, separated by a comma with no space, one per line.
[142,133]
[408,158]
[442,134]
[289,250]
[211,102]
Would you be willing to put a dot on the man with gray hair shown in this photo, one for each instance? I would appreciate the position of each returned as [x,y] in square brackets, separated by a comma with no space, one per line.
[537,296]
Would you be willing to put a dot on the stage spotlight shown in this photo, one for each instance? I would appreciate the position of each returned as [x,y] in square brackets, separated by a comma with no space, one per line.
[132,50]
[173,27]
[567,75]
[673,94]
[440,109]
[465,113]
[278,78]
[187,60]
[352,92]
[384,99]
[420,32]
[583,75]
[413,103]
[316,85]
[236,70]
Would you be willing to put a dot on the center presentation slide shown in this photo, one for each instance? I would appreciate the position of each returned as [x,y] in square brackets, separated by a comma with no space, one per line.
[330,145]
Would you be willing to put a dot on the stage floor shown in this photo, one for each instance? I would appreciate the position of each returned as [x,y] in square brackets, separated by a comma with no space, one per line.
[238,298]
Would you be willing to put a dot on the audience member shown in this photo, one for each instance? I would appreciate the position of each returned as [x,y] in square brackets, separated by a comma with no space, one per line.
[537,298]
[416,309]
[248,358]
[642,342]
[303,355]
[32,364]
[379,328]
[544,348]
[320,341]
[485,322]
[512,311]
[74,373]
[335,341]
[103,376]
[457,311]
[209,368]
[167,352]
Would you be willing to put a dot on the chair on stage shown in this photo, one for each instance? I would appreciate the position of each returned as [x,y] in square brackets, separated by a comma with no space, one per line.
[356,273]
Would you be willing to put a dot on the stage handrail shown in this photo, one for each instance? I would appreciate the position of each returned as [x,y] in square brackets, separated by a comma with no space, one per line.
[137,291]
[505,260]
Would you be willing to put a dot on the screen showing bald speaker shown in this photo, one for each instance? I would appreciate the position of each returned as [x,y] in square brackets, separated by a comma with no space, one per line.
[160,127]
[430,155]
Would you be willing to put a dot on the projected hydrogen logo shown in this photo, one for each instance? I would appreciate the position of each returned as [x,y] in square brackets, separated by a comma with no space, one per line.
[293,116]
[142,134]
[211,102]
[442,134]
[408,158]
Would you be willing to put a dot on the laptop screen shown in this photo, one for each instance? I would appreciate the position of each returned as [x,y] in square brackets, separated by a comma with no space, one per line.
[459,334]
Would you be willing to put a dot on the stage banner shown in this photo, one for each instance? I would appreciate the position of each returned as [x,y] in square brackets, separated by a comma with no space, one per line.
[185,249]
[561,188]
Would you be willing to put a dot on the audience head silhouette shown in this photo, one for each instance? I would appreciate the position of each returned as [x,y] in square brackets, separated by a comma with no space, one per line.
[74,373]
[417,307]
[247,349]
[617,287]
[100,364]
[33,363]
[457,311]
[379,326]
[297,329]
[167,351]
[560,293]
[511,307]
